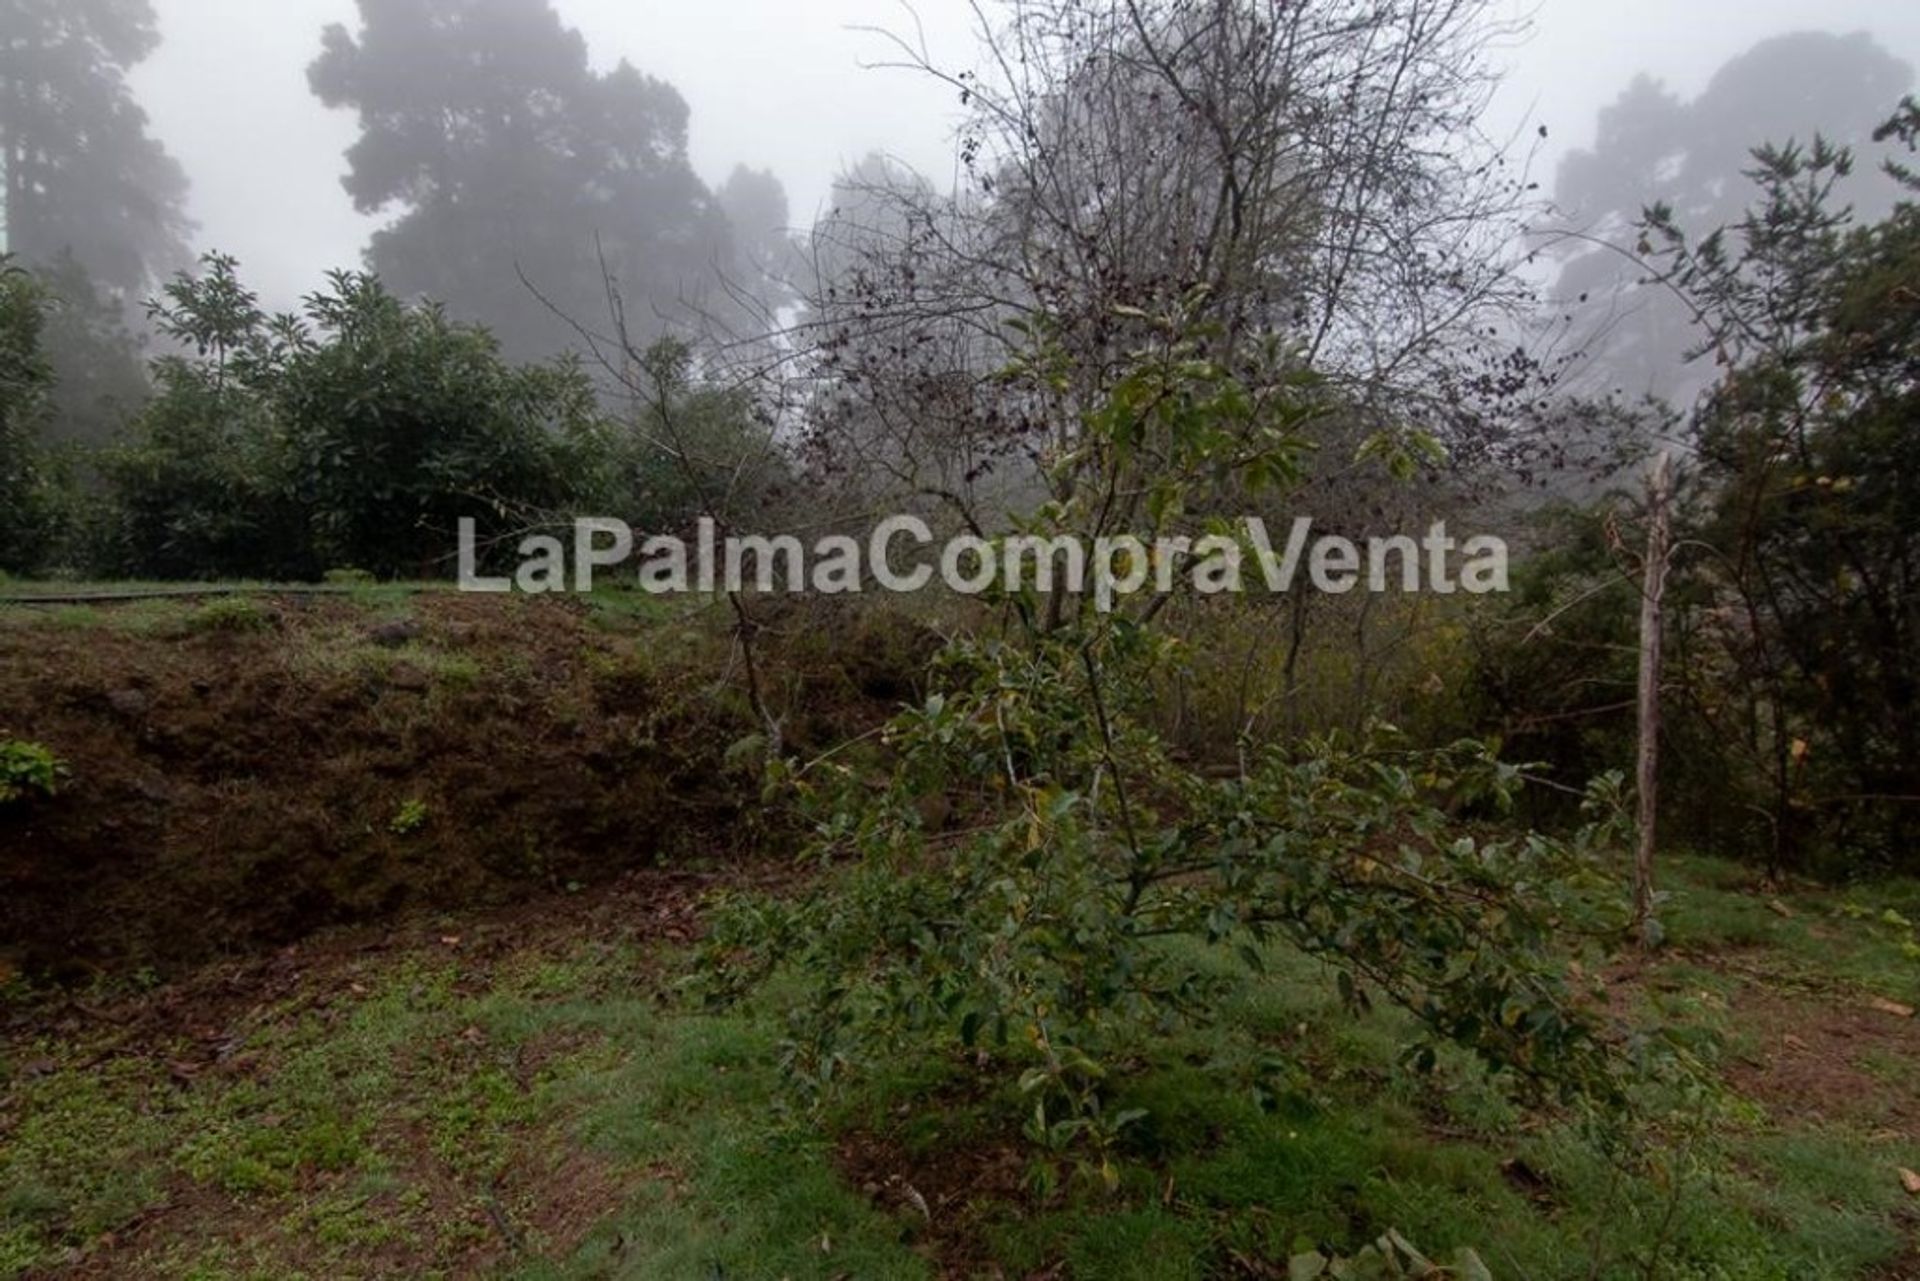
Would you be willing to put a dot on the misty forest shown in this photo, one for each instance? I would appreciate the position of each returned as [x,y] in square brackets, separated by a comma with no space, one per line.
[357,923]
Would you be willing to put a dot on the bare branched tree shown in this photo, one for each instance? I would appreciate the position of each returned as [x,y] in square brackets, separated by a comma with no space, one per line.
[1314,172]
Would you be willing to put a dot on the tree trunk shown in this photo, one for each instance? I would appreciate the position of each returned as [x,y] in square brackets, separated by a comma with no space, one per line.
[1652,593]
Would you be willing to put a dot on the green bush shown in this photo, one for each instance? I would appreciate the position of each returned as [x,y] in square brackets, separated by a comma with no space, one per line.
[28,507]
[410,817]
[402,422]
[28,770]
[691,445]
[231,614]
[357,433]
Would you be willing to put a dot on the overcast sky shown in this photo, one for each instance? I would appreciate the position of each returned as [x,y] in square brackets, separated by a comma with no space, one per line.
[787,84]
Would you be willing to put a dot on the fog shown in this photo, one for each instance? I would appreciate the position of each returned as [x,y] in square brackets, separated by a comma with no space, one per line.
[772,84]
[797,87]
[511,160]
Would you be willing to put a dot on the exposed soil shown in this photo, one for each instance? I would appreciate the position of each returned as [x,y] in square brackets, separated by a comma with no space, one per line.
[1810,1053]
[207,1005]
[1825,1058]
[551,1200]
[555,1203]
[237,787]
[951,1192]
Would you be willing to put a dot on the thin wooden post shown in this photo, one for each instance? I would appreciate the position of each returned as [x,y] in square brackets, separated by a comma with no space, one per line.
[1653,591]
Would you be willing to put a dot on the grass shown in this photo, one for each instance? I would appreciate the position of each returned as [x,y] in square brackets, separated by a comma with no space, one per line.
[180,610]
[348,647]
[426,1112]
[1858,937]
[542,1107]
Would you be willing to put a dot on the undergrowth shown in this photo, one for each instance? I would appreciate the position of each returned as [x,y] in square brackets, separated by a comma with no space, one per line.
[396,1107]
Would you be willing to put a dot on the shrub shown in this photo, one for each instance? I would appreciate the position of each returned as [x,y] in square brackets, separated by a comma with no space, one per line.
[28,770]
[410,817]
[402,421]
[232,614]
[28,511]
[357,433]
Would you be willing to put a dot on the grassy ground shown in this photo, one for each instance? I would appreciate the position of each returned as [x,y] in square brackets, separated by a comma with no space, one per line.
[175,609]
[524,1095]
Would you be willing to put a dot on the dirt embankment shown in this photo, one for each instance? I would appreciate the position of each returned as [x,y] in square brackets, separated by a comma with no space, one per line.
[242,773]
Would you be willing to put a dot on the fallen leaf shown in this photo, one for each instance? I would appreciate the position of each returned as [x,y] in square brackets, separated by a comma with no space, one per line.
[1910,1181]
[1894,1008]
[1794,1042]
[1778,908]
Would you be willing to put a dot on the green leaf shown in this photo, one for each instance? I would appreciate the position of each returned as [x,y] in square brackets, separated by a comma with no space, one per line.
[1307,1267]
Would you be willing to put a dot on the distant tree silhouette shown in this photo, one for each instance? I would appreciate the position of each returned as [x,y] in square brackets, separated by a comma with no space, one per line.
[755,206]
[1655,148]
[506,154]
[100,375]
[82,175]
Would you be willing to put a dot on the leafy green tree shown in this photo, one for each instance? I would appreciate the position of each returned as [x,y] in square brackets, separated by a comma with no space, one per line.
[507,156]
[25,382]
[403,421]
[200,490]
[82,174]
[1034,942]
[357,433]
[1809,448]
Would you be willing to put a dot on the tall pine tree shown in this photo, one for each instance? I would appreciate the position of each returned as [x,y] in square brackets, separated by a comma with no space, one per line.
[507,155]
[83,178]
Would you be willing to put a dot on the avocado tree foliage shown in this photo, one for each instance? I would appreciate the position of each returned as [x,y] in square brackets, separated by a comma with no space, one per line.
[1168,299]
[1033,942]
[357,433]
[26,383]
